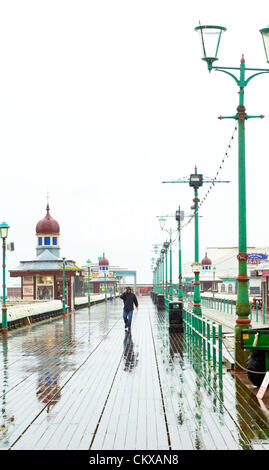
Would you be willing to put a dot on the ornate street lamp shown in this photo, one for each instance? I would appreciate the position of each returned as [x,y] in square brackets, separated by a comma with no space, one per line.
[163,255]
[265,37]
[242,304]
[89,263]
[162,221]
[210,39]
[195,182]
[4,233]
[166,246]
[63,299]
[179,217]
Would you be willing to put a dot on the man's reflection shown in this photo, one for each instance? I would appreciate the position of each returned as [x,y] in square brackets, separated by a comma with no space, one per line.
[130,357]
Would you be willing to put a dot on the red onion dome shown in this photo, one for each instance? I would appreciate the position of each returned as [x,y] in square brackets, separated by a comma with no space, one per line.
[103,261]
[206,261]
[47,225]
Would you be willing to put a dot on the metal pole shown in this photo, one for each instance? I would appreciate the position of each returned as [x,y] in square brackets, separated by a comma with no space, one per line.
[214,272]
[171,276]
[64,303]
[4,308]
[180,290]
[197,296]
[105,289]
[242,304]
[89,297]
[166,275]
[163,273]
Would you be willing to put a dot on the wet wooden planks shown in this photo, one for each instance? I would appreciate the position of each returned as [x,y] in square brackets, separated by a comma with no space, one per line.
[133,417]
[86,384]
[194,414]
[51,354]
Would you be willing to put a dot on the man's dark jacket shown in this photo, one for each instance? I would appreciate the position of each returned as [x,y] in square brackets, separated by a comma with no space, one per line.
[129,301]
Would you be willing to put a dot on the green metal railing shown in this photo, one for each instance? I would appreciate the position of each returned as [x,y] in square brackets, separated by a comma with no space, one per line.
[229,306]
[205,334]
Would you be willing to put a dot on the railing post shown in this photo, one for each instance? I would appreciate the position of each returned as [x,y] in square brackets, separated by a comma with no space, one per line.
[220,349]
[204,336]
[208,339]
[214,343]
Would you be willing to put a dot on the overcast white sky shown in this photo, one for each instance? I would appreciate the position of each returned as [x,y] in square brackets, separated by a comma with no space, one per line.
[102,100]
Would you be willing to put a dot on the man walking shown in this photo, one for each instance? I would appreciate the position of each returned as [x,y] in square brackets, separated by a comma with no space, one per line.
[129,300]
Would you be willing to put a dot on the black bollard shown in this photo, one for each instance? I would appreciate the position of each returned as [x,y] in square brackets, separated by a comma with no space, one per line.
[176,317]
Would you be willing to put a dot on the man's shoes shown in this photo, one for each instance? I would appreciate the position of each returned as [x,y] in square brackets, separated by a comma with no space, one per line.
[126,329]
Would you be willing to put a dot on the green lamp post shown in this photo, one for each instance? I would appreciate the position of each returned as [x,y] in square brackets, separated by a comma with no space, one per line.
[166,246]
[179,217]
[157,274]
[162,220]
[162,258]
[4,232]
[155,250]
[210,38]
[105,288]
[63,299]
[89,263]
[196,181]
[214,284]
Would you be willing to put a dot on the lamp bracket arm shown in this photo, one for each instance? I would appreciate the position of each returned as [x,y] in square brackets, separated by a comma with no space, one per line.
[255,75]
[228,73]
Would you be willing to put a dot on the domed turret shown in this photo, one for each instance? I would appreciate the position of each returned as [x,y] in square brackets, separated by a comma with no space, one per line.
[206,262]
[47,225]
[103,261]
[47,232]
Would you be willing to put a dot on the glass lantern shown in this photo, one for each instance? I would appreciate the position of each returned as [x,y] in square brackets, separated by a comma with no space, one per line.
[210,39]
[4,229]
[265,37]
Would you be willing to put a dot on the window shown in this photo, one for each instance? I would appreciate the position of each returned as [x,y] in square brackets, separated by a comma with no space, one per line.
[55,241]
[222,288]
[47,241]
[230,289]
[39,241]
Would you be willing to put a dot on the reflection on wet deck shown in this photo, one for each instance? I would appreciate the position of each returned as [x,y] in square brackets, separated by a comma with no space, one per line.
[84,383]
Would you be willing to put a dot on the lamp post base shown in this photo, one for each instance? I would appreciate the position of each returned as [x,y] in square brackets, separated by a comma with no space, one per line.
[240,354]
[4,332]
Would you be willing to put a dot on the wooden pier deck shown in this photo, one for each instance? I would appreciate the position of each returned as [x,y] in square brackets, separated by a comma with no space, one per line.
[83,383]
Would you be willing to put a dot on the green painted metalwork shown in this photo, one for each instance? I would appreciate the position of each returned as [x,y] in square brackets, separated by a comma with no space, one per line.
[171,271]
[180,289]
[89,296]
[242,305]
[127,273]
[198,328]
[63,299]
[265,35]
[4,308]
[255,339]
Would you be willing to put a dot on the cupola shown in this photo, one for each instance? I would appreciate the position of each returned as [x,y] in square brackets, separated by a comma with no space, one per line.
[206,263]
[103,263]
[47,232]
